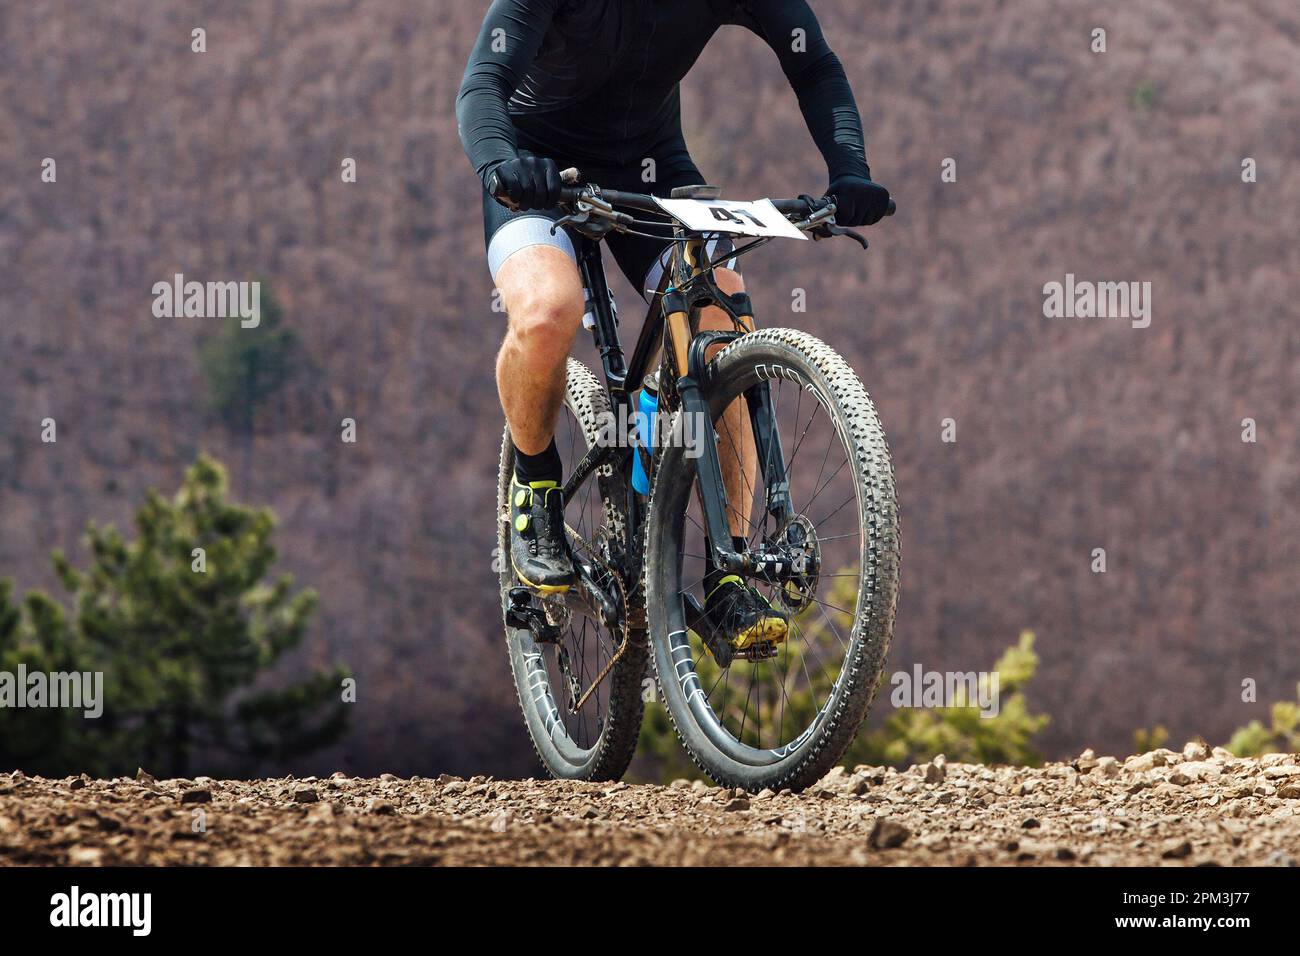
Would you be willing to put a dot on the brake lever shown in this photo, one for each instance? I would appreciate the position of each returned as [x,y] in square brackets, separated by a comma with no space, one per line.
[831,230]
[572,219]
[583,221]
[593,221]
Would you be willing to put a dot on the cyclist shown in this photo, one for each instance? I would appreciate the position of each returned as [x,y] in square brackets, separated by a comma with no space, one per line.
[594,84]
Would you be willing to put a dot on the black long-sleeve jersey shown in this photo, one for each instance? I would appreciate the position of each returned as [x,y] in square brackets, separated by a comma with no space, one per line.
[595,82]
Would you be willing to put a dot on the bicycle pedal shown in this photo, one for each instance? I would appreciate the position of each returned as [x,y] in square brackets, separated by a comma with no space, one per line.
[522,614]
[759,651]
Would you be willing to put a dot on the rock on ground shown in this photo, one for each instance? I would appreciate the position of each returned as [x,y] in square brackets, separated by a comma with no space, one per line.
[1159,809]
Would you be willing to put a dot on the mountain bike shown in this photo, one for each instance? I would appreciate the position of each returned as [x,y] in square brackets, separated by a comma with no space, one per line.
[818,503]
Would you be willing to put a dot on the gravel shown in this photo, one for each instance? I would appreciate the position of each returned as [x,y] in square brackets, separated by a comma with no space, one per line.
[1157,809]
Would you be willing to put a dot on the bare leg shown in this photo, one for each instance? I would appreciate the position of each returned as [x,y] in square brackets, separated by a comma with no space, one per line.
[735,436]
[543,297]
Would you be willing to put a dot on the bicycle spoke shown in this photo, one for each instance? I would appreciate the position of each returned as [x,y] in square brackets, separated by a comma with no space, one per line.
[753,673]
[799,444]
[837,510]
[838,469]
[815,648]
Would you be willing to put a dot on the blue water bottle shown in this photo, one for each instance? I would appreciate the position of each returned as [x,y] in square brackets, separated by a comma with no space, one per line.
[647,406]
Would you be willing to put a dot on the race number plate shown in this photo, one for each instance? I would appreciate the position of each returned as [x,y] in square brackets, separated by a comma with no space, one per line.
[758,218]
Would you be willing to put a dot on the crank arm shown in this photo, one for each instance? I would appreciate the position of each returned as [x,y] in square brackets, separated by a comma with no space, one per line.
[591,600]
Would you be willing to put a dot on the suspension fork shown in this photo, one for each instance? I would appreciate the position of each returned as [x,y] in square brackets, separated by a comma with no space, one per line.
[708,467]
[688,353]
[771,454]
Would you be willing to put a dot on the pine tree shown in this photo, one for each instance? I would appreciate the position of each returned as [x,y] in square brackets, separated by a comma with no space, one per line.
[28,737]
[182,621]
[245,367]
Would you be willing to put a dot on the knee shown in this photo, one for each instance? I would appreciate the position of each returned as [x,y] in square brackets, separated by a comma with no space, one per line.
[547,313]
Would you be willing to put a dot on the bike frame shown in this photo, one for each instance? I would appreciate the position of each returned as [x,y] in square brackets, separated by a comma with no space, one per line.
[670,330]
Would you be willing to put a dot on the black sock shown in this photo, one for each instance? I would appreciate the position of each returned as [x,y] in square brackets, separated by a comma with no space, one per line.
[713,574]
[545,466]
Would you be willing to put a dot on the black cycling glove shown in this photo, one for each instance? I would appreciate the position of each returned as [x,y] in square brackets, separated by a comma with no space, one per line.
[530,182]
[858,201]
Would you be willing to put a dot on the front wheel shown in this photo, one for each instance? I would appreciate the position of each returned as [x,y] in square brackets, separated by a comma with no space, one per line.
[783,718]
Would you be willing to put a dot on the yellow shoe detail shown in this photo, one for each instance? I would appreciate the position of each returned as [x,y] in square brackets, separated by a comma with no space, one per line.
[772,628]
[540,588]
[730,577]
[768,629]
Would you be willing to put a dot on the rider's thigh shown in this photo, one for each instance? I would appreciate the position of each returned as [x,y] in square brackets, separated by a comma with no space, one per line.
[542,291]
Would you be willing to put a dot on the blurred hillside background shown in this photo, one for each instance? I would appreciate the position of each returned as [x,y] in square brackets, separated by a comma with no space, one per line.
[1071,434]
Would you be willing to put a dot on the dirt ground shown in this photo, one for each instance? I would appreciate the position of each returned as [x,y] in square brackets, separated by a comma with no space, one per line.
[1160,808]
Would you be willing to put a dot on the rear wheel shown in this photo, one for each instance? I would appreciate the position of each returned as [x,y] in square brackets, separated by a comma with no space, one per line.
[595,741]
[785,718]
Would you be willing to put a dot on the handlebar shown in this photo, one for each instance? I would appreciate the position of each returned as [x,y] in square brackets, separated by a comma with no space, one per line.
[573,194]
[802,208]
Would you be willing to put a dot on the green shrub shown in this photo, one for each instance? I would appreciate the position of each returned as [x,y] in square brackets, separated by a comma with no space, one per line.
[1143,98]
[179,644]
[1281,736]
[1144,740]
[33,636]
[243,367]
[961,732]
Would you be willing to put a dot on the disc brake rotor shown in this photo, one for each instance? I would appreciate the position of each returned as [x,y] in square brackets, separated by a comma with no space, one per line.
[798,540]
